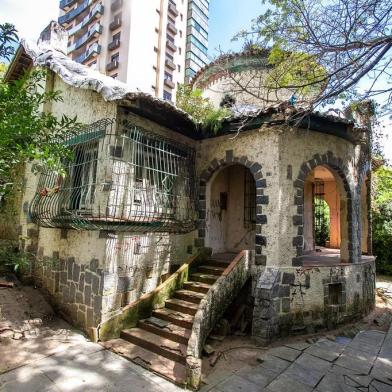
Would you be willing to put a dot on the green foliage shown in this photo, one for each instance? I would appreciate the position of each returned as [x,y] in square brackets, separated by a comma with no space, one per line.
[382,219]
[294,70]
[322,214]
[3,69]
[201,109]
[28,133]
[8,38]
[12,260]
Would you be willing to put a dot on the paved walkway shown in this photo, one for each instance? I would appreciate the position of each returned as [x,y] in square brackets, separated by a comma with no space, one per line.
[344,365]
[83,367]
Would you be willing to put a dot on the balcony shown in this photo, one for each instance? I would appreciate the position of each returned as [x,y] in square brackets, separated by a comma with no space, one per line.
[114,44]
[97,10]
[172,28]
[170,45]
[66,18]
[92,33]
[169,64]
[91,51]
[65,4]
[173,10]
[116,5]
[115,24]
[169,83]
[112,65]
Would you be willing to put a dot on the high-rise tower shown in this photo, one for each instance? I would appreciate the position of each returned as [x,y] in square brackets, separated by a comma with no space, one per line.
[141,43]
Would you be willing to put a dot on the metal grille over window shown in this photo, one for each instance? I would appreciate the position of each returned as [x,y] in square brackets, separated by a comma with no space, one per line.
[129,180]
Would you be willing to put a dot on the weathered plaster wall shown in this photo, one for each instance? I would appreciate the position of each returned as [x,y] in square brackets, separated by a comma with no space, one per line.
[91,274]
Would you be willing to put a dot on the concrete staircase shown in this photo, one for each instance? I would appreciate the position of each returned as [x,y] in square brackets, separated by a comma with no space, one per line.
[159,343]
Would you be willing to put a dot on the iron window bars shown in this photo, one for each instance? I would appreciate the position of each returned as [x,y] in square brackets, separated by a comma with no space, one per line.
[124,180]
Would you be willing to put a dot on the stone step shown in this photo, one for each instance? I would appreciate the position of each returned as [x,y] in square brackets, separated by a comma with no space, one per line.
[170,370]
[197,287]
[181,306]
[169,331]
[210,269]
[217,263]
[158,344]
[203,278]
[226,257]
[177,318]
[189,295]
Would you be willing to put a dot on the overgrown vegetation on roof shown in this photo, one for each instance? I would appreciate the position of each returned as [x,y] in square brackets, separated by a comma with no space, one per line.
[201,109]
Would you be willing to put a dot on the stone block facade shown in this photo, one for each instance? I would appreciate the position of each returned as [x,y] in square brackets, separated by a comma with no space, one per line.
[303,300]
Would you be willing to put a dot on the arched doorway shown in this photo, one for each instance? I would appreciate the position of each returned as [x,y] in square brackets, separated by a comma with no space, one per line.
[364,216]
[325,216]
[231,210]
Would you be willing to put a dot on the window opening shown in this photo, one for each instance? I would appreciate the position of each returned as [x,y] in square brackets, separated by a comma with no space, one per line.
[321,215]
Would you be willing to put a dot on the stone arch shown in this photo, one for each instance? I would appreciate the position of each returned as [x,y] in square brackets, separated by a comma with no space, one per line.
[261,200]
[337,165]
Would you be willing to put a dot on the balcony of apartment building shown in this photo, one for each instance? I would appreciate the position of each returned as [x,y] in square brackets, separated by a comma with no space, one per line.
[116,5]
[92,51]
[116,23]
[168,80]
[66,18]
[169,63]
[172,28]
[65,4]
[115,43]
[114,63]
[95,12]
[172,8]
[170,43]
[93,32]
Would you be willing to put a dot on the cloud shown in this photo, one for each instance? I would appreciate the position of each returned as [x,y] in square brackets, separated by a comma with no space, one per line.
[29,17]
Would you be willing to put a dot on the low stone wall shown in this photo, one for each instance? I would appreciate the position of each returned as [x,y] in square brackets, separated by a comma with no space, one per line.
[76,290]
[305,299]
[211,308]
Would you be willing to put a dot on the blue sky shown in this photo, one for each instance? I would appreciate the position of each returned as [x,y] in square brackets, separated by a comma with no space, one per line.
[228,17]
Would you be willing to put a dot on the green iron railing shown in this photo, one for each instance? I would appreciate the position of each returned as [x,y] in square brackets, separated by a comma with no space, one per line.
[126,179]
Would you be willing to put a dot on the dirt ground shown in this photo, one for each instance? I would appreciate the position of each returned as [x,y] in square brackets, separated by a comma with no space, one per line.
[29,328]
[236,351]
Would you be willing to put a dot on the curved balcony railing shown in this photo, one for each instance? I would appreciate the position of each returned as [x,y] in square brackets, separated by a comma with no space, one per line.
[66,3]
[123,180]
[93,49]
[93,32]
[96,10]
[75,12]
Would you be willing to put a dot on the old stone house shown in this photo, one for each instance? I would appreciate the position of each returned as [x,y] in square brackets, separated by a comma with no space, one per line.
[149,196]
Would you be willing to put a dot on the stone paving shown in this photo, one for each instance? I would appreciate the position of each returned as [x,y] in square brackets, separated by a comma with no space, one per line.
[344,365]
[83,367]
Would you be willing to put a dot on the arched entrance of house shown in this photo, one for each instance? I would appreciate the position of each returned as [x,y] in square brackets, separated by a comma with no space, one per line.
[325,216]
[231,210]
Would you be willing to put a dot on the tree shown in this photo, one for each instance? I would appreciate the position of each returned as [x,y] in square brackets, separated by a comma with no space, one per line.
[200,109]
[8,38]
[382,219]
[27,132]
[324,49]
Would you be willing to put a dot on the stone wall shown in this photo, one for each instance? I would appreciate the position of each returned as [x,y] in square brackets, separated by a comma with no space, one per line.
[291,300]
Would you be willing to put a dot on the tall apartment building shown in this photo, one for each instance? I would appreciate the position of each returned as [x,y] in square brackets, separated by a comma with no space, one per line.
[197,37]
[140,42]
